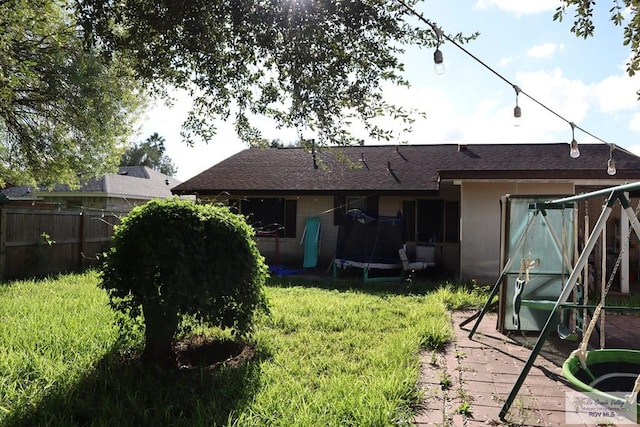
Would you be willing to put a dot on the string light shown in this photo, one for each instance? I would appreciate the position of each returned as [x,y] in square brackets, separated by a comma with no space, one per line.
[438,60]
[575,151]
[517,111]
[611,164]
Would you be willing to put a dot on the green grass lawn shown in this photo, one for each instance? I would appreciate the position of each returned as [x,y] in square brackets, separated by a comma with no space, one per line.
[328,355]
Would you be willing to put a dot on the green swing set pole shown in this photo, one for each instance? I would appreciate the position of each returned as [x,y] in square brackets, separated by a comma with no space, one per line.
[626,204]
[496,287]
[564,296]
[618,190]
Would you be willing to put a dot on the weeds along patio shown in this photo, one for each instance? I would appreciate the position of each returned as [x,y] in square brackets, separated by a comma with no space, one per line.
[331,352]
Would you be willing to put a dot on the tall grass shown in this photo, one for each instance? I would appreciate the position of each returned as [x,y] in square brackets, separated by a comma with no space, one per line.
[325,357]
[51,333]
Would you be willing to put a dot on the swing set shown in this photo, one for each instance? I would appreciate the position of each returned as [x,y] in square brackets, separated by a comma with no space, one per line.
[540,256]
[600,371]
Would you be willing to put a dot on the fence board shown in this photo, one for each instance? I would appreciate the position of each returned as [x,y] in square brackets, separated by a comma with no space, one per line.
[37,242]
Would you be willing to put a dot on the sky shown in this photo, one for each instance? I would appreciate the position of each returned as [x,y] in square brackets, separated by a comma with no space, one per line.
[584,81]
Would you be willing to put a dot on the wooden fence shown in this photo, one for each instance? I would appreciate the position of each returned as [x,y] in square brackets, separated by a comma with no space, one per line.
[35,242]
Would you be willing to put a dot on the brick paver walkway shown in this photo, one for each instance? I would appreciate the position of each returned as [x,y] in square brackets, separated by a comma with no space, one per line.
[466,385]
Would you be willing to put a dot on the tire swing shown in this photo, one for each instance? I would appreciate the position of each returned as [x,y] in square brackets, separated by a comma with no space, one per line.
[605,371]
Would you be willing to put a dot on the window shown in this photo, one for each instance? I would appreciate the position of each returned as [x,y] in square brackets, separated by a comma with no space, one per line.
[290,217]
[271,214]
[430,221]
[452,222]
[438,221]
[341,204]
[409,217]
[359,203]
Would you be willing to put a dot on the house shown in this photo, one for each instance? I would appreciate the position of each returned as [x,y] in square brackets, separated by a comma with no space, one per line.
[448,195]
[130,186]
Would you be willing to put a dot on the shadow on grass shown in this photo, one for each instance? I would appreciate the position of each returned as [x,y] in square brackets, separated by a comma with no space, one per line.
[120,392]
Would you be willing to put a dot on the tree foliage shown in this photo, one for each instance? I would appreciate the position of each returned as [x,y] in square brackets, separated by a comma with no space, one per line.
[150,153]
[64,110]
[173,258]
[315,65]
[584,27]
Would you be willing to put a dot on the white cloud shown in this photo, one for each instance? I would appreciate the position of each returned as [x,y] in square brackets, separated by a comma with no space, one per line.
[442,122]
[519,7]
[616,93]
[489,121]
[545,50]
[503,62]
[567,98]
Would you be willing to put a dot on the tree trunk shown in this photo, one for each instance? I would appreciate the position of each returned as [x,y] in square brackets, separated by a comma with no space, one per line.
[161,323]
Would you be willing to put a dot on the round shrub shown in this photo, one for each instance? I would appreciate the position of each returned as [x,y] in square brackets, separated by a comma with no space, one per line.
[171,258]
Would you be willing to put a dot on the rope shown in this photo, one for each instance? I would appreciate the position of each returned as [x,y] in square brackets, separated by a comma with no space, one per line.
[632,398]
[573,319]
[581,352]
[585,272]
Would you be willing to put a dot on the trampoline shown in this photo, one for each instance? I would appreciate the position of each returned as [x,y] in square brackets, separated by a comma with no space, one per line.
[369,243]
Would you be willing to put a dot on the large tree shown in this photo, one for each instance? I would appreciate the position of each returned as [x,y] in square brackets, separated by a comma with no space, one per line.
[150,153]
[65,110]
[66,90]
[308,64]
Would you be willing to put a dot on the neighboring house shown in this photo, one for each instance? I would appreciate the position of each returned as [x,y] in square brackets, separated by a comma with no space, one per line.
[49,231]
[131,186]
[18,196]
[449,195]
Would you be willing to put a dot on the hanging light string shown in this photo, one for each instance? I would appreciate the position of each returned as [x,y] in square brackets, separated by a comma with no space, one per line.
[517,111]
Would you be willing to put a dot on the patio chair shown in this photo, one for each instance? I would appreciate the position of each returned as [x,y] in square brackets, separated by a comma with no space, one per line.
[425,258]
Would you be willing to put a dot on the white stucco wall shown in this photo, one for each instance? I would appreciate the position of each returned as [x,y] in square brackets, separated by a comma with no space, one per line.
[480,223]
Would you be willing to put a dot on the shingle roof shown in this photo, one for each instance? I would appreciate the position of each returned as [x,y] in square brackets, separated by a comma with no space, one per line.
[403,167]
[140,181]
[18,192]
[130,181]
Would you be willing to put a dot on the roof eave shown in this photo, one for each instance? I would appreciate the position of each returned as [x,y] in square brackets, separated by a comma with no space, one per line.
[330,192]
[545,175]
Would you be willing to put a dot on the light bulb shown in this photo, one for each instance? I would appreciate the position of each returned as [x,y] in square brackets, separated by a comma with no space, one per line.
[517,113]
[611,167]
[438,62]
[575,151]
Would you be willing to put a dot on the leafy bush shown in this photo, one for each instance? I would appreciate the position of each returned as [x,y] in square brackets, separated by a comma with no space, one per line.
[172,258]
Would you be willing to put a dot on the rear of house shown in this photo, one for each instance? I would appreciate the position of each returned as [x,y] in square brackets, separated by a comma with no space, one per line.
[447,195]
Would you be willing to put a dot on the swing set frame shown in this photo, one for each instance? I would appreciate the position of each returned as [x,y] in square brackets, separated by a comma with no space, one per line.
[617,194]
